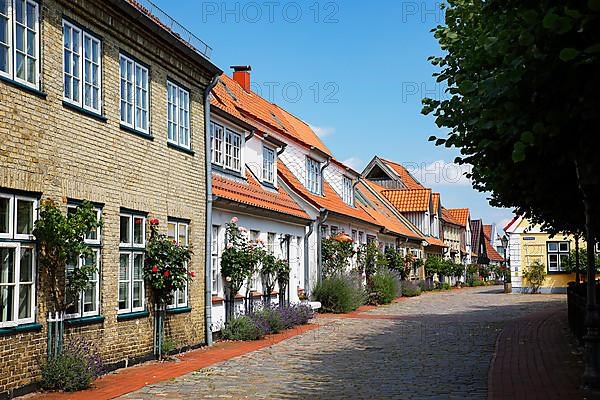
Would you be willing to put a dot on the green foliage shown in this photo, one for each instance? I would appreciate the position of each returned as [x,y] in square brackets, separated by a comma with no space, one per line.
[60,240]
[383,287]
[399,263]
[167,345]
[242,328]
[523,90]
[339,294]
[336,256]
[570,265]
[73,369]
[165,267]
[268,319]
[433,265]
[410,289]
[240,258]
[445,286]
[535,274]
[272,269]
[472,274]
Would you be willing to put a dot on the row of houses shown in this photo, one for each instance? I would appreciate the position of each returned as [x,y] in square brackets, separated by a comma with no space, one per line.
[105,102]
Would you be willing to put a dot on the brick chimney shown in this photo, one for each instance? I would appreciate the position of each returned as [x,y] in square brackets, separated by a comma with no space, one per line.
[241,74]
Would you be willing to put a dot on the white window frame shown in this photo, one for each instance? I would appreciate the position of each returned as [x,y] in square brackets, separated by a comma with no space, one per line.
[136,103]
[215,258]
[84,80]
[217,142]
[98,239]
[132,218]
[131,281]
[271,238]
[11,216]
[232,156]
[177,302]
[81,295]
[269,171]
[178,115]
[347,192]
[17,246]
[559,254]
[11,19]
[20,236]
[313,176]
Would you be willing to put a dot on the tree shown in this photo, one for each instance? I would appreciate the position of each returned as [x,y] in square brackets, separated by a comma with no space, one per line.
[61,241]
[433,265]
[535,275]
[336,255]
[523,85]
[399,263]
[569,264]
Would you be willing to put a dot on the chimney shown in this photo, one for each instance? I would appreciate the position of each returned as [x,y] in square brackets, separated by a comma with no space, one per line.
[241,74]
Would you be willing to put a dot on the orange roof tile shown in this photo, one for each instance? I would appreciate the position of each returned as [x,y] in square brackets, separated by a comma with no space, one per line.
[492,254]
[460,214]
[406,177]
[252,193]
[487,231]
[409,200]
[330,201]
[449,218]
[378,210]
[435,242]
[435,197]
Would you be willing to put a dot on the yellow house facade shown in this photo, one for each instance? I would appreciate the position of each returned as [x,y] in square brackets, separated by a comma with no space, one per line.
[528,244]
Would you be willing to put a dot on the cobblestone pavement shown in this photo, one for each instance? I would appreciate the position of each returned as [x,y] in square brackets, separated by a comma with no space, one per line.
[436,346]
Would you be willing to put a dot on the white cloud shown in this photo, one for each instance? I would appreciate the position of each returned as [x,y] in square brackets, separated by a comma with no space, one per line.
[440,173]
[355,163]
[322,131]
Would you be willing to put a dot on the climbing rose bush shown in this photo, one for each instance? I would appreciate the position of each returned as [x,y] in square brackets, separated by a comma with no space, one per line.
[165,267]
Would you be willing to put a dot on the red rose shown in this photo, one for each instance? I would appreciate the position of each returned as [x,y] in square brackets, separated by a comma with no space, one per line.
[167,273]
[192,274]
[154,221]
[155,269]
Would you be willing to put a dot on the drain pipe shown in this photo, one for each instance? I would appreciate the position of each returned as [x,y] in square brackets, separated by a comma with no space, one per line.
[311,228]
[208,228]
[322,219]
[250,135]
[323,176]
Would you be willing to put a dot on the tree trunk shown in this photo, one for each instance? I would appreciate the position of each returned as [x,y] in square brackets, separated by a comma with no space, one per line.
[577,259]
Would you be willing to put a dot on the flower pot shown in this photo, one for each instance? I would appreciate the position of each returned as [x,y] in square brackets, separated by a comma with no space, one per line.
[507,287]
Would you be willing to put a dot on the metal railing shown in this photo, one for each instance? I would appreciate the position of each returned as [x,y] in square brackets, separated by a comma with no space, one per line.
[176,29]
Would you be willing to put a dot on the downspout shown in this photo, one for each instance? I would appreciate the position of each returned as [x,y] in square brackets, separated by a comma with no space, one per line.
[208,227]
[311,228]
[250,135]
[322,219]
[283,147]
[323,176]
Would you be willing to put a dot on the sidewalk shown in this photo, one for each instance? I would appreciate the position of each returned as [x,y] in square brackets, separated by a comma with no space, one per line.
[534,360]
[127,380]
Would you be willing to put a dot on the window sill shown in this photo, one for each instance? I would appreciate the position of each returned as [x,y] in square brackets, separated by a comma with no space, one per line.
[269,185]
[96,319]
[19,85]
[133,315]
[559,273]
[20,329]
[180,148]
[85,112]
[137,132]
[180,310]
[216,299]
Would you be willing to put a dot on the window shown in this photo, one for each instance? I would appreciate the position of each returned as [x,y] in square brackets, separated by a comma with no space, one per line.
[268,165]
[354,236]
[271,242]
[233,144]
[347,190]
[19,41]
[82,68]
[324,230]
[361,237]
[86,303]
[178,115]
[17,260]
[134,94]
[557,254]
[179,232]
[131,262]
[214,259]
[216,143]
[334,230]
[313,176]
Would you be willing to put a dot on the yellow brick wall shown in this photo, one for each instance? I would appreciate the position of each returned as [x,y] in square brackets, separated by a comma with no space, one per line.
[49,148]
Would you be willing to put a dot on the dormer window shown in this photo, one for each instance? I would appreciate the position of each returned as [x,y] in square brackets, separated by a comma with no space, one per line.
[313,176]
[347,192]
[225,147]
[268,165]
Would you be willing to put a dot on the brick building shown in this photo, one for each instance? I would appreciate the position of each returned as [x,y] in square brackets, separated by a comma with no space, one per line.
[98,101]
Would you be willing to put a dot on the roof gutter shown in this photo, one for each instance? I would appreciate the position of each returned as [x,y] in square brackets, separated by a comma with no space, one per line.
[208,228]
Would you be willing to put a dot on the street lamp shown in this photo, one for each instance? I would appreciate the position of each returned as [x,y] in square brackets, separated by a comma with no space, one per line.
[507,272]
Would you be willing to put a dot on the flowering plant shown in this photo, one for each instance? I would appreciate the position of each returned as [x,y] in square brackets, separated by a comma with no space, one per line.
[165,269]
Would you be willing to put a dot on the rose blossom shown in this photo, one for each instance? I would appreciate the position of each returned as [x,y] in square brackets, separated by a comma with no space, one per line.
[229,245]
[228,279]
[234,220]
[154,221]
[155,269]
[192,274]
[167,273]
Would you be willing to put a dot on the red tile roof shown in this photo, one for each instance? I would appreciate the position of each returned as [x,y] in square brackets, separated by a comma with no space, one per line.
[460,214]
[409,200]
[252,193]
[405,176]
[449,218]
[492,254]
[330,201]
[435,197]
[380,212]
[435,242]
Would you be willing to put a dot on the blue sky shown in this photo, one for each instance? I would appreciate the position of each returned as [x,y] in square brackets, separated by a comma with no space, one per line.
[354,70]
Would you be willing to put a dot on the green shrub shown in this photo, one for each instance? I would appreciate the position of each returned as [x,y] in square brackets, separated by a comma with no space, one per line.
[477,283]
[445,286]
[535,275]
[409,289]
[242,328]
[383,287]
[268,319]
[73,369]
[339,294]
[167,345]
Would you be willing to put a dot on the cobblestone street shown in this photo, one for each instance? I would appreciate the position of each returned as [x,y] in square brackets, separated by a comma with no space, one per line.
[436,346]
